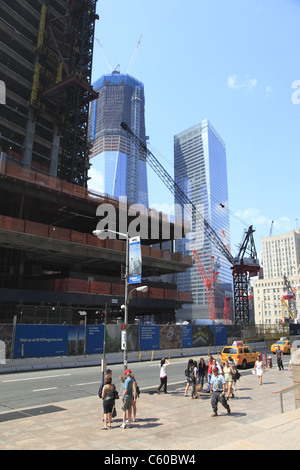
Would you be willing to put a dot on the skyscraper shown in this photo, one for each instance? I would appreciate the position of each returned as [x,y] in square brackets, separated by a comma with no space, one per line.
[114,156]
[201,172]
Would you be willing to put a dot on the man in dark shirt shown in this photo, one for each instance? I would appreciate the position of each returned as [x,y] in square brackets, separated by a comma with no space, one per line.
[279,357]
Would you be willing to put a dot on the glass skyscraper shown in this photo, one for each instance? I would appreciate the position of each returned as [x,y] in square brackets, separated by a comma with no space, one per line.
[114,156]
[201,172]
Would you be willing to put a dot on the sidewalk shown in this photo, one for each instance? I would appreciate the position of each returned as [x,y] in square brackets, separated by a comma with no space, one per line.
[164,422]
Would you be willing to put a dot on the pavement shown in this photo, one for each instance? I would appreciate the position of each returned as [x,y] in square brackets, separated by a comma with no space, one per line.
[165,422]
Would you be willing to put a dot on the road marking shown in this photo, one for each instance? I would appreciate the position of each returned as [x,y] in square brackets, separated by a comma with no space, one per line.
[86,383]
[43,389]
[34,378]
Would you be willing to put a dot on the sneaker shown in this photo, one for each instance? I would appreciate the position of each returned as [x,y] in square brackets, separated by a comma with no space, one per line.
[214,414]
[228,410]
[123,425]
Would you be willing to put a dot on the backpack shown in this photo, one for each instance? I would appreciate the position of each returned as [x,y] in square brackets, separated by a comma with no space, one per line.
[189,373]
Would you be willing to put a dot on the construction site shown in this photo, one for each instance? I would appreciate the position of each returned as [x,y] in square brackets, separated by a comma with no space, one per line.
[52,266]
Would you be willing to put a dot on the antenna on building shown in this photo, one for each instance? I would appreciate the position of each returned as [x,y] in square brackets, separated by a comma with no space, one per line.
[133,55]
[297,225]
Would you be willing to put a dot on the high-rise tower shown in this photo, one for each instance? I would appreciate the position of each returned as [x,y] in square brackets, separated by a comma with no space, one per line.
[200,171]
[121,98]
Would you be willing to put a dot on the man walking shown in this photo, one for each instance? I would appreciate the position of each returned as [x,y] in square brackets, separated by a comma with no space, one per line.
[217,391]
[279,357]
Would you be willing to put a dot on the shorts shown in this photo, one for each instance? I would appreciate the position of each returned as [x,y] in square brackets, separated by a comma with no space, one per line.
[127,405]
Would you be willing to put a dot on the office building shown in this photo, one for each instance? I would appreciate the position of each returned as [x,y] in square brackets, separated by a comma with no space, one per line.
[201,172]
[114,156]
[281,263]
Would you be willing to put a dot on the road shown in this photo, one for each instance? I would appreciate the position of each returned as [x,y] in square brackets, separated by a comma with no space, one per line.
[37,388]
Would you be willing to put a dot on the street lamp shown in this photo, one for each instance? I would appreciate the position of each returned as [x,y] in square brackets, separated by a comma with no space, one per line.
[126,308]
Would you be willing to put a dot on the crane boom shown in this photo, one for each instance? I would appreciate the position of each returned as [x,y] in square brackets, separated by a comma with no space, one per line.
[179,193]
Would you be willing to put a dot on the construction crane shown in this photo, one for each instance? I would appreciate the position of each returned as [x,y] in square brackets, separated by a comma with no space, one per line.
[133,55]
[242,266]
[284,306]
[227,310]
[271,228]
[289,295]
[209,278]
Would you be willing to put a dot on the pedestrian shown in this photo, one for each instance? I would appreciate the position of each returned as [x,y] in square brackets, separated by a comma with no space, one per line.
[217,391]
[164,363]
[108,373]
[228,372]
[202,371]
[259,368]
[137,395]
[235,374]
[108,397]
[209,372]
[190,377]
[129,395]
[194,377]
[218,366]
[279,357]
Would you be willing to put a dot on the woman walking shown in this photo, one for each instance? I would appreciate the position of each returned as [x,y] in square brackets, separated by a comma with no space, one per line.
[259,368]
[228,372]
[191,377]
[164,363]
[108,397]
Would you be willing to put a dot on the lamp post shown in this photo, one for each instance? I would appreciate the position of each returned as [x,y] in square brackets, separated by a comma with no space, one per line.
[127,295]
[126,309]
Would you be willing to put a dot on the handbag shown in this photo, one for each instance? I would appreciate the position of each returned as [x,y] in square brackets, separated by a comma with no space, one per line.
[114,412]
[198,388]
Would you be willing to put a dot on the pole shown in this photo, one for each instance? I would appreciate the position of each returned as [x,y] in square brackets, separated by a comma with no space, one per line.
[126,305]
[104,344]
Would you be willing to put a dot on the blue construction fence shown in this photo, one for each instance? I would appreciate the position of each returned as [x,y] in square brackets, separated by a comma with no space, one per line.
[27,341]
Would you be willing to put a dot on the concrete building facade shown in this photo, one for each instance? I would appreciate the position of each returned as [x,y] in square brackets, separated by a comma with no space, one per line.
[280,257]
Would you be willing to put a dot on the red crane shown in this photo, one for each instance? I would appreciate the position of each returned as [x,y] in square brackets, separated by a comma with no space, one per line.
[227,310]
[209,279]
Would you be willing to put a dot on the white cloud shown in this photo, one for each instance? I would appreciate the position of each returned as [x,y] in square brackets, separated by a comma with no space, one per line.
[254,217]
[96,183]
[234,82]
[268,91]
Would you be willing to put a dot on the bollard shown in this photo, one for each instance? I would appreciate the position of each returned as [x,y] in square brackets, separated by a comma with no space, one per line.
[152,356]
[270,362]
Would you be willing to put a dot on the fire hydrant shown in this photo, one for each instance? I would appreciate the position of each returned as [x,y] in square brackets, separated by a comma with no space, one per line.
[270,362]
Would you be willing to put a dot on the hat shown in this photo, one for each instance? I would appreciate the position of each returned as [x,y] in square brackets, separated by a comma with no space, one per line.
[127,371]
[108,371]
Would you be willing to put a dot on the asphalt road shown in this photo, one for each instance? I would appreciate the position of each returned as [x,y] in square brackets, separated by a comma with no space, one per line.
[37,388]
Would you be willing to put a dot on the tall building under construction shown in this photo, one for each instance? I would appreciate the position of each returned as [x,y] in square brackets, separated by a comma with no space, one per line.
[121,99]
[46,66]
[51,265]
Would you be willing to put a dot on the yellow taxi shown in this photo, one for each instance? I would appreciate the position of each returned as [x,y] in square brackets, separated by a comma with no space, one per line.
[243,355]
[284,345]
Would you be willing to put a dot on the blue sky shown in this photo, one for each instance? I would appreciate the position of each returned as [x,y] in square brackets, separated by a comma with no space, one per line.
[234,62]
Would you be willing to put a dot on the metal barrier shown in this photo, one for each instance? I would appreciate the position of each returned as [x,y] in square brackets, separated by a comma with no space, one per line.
[285,390]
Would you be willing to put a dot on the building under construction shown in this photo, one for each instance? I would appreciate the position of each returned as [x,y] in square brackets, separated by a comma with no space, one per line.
[52,267]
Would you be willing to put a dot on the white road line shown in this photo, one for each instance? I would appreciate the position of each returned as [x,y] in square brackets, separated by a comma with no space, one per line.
[34,378]
[43,389]
[86,383]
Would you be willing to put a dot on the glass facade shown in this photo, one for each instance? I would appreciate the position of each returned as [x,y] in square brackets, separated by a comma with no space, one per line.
[201,172]
[123,171]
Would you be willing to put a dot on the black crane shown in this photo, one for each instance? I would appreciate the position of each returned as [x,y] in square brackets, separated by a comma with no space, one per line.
[241,266]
